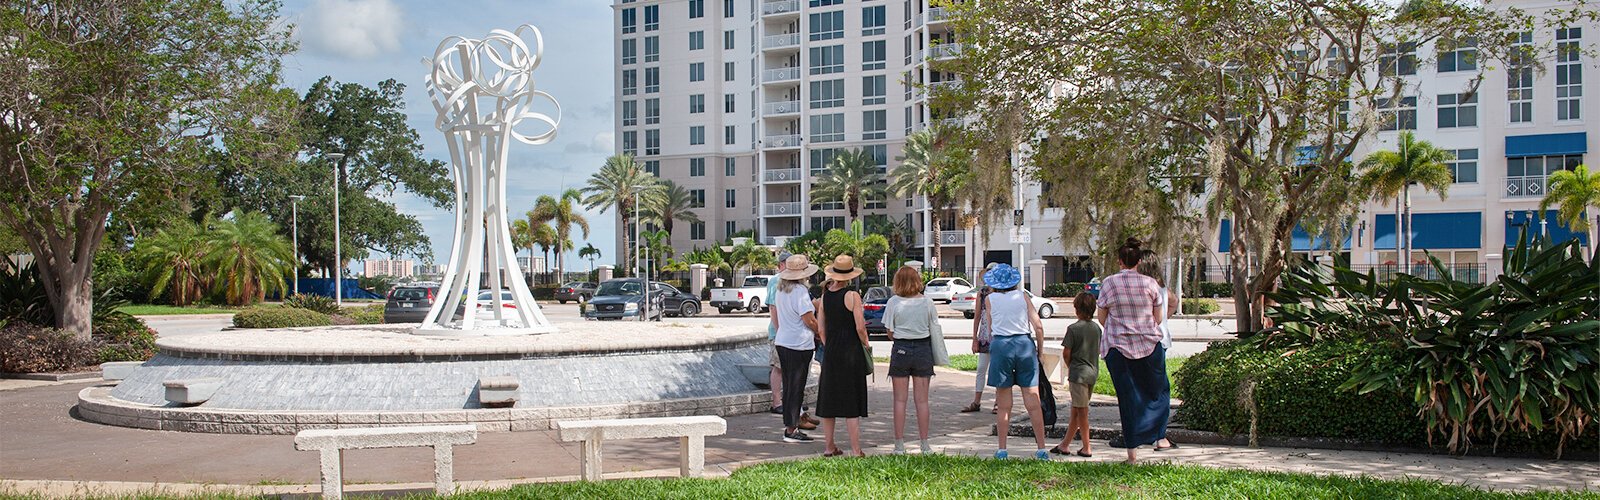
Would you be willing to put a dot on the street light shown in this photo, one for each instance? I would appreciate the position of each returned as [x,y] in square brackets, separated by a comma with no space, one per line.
[338,261]
[294,209]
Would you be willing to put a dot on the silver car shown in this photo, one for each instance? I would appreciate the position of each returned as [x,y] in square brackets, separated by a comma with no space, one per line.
[968,301]
[945,289]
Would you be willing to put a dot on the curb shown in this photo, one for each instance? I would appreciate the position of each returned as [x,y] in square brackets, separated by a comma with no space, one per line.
[175,317]
[54,376]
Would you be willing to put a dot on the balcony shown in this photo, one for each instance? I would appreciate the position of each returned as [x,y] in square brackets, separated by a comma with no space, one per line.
[784,41]
[936,15]
[780,8]
[779,75]
[779,241]
[1523,186]
[948,123]
[946,238]
[943,51]
[944,86]
[781,175]
[781,141]
[783,209]
[780,108]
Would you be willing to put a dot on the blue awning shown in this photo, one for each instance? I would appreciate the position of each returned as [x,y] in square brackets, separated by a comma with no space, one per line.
[1436,231]
[1547,144]
[1225,237]
[1558,231]
[1303,241]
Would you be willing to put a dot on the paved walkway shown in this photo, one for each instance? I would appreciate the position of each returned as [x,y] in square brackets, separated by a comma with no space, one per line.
[44,449]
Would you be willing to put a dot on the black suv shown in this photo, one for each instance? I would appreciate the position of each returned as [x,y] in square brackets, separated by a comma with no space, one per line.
[409,304]
[620,298]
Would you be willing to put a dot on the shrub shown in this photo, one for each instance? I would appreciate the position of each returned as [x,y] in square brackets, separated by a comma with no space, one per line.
[279,317]
[28,348]
[123,337]
[22,297]
[365,315]
[1214,289]
[318,303]
[1200,306]
[1063,289]
[678,284]
[545,291]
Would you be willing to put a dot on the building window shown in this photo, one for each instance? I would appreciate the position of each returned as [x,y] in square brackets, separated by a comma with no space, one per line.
[697,9]
[697,230]
[697,167]
[1397,115]
[630,51]
[872,55]
[729,228]
[820,158]
[652,80]
[872,20]
[1342,114]
[652,111]
[697,135]
[652,17]
[1519,79]
[827,25]
[697,72]
[825,60]
[1531,175]
[1458,55]
[630,113]
[729,135]
[630,20]
[727,8]
[630,82]
[697,40]
[652,142]
[874,124]
[630,142]
[1569,73]
[652,48]
[1464,168]
[1398,59]
[727,103]
[828,223]
[1458,110]
[728,200]
[698,198]
[872,89]
[729,167]
[727,40]
[825,3]
[727,71]
[697,103]
[827,94]
[827,128]
[653,167]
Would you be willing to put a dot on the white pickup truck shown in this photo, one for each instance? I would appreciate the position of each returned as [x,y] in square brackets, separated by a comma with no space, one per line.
[750,296]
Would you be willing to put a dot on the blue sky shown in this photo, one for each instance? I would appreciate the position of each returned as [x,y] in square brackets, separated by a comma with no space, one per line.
[368,41]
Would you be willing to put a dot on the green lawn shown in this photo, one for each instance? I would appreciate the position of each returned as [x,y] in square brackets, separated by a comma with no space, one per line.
[162,310]
[1102,384]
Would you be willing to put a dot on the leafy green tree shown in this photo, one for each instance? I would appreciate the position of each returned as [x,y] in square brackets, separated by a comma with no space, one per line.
[867,249]
[562,213]
[715,260]
[615,185]
[671,202]
[850,179]
[247,258]
[927,170]
[115,106]
[1574,191]
[174,260]
[749,255]
[1388,174]
[895,231]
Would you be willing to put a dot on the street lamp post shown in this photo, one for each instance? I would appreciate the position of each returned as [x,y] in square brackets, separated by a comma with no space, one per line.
[338,261]
[294,210]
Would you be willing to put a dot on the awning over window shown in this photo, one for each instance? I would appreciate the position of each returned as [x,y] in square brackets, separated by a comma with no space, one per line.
[1558,232]
[1303,241]
[1547,144]
[1225,237]
[1436,231]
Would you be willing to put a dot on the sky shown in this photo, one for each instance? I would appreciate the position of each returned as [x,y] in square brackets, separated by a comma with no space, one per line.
[368,41]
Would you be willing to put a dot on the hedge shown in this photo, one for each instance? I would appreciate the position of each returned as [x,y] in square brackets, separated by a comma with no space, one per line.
[1200,306]
[1063,289]
[29,348]
[365,315]
[123,337]
[279,317]
[1212,289]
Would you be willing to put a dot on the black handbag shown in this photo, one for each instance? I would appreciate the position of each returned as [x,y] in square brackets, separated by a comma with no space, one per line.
[1047,397]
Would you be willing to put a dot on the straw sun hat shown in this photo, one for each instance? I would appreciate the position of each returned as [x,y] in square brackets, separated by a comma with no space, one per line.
[843,269]
[797,267]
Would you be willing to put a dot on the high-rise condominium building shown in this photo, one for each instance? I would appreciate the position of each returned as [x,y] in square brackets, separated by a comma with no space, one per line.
[388,267]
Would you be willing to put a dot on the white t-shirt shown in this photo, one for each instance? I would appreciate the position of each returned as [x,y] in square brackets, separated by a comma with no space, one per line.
[1166,333]
[792,331]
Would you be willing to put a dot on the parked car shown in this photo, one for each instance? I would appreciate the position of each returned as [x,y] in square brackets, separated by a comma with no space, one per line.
[409,304]
[945,289]
[579,291]
[968,301]
[873,304]
[621,298]
[750,296]
[484,310]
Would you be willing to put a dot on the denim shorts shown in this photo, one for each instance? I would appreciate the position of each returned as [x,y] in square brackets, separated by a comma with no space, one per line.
[1012,362]
[911,358]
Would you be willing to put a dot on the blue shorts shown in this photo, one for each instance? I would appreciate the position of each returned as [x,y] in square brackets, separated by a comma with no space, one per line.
[1013,362]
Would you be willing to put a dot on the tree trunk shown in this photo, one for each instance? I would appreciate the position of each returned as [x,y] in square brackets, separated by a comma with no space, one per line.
[1239,265]
[1405,196]
[73,298]
[1399,261]
[933,232]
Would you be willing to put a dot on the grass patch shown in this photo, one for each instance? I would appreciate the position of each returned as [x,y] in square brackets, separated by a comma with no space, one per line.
[1102,384]
[964,362]
[165,310]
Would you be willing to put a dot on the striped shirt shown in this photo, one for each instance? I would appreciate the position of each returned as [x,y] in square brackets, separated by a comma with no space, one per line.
[1130,299]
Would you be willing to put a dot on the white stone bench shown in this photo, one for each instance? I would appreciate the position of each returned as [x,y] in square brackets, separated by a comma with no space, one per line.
[191,391]
[690,431]
[118,370]
[333,442]
[498,391]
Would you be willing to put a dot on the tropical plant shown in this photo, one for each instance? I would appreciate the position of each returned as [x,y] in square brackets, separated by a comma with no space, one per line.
[897,231]
[926,170]
[657,246]
[615,185]
[175,262]
[1387,174]
[850,179]
[715,260]
[867,249]
[1574,191]
[671,202]
[749,255]
[589,252]
[247,258]
[562,213]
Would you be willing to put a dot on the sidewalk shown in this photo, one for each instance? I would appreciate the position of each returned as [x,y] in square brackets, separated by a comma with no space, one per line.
[47,451]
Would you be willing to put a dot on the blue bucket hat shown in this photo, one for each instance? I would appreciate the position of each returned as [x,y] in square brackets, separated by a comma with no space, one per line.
[1002,276]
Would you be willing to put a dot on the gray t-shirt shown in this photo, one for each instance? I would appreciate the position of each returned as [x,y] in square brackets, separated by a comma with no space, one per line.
[1083,339]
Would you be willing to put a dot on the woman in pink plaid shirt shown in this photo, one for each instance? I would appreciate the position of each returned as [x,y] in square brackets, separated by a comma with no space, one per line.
[1129,308]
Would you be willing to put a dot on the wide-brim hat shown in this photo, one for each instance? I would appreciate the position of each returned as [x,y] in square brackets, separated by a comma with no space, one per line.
[1002,276]
[797,267]
[843,269]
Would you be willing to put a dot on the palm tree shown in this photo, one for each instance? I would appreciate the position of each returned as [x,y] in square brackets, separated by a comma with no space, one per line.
[247,257]
[544,237]
[563,214]
[1574,191]
[852,177]
[927,171]
[589,252]
[713,258]
[1391,173]
[752,256]
[174,258]
[615,185]
[669,203]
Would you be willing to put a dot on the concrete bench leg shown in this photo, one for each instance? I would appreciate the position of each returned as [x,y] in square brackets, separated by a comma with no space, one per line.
[444,470]
[591,459]
[333,474]
[692,456]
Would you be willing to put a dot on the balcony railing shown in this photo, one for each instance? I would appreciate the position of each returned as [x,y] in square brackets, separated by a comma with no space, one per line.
[782,175]
[944,86]
[773,8]
[936,15]
[780,108]
[780,41]
[946,238]
[1517,187]
[780,75]
[944,51]
[781,141]
[782,209]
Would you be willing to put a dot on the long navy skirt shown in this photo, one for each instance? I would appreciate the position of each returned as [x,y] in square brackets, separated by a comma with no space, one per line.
[1144,396]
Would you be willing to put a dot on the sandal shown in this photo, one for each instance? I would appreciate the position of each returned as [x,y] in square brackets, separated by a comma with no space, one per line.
[1056,450]
[1165,448]
[972,408]
[834,453]
[1084,454]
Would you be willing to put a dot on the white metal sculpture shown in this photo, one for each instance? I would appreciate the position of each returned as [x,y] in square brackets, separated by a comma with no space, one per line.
[483,90]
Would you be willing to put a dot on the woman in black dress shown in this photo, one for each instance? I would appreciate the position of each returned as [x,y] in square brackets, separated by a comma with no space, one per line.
[842,387]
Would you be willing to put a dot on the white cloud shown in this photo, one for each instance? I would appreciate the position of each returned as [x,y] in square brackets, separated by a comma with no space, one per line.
[600,144]
[351,29]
